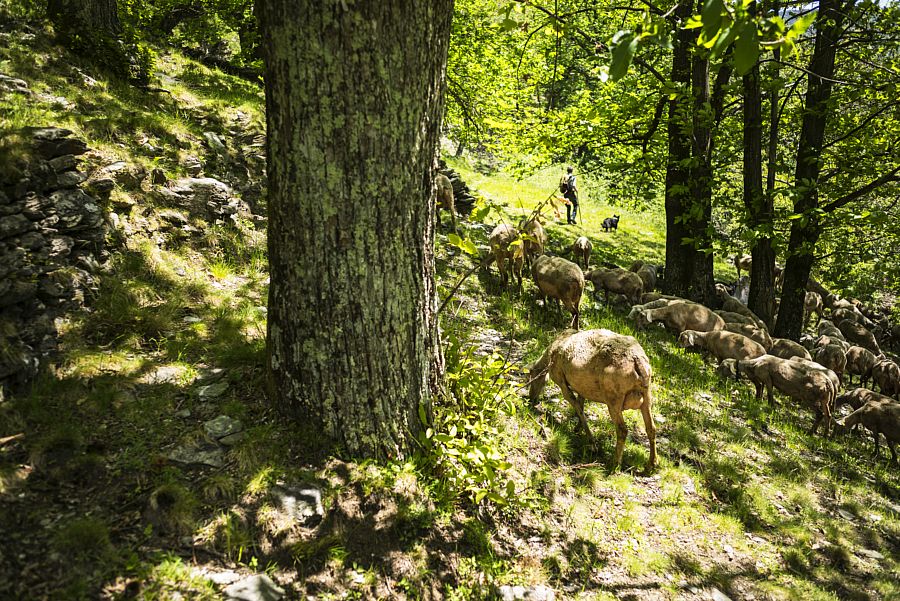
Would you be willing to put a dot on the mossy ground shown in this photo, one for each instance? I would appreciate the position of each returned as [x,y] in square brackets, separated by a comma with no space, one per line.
[744,499]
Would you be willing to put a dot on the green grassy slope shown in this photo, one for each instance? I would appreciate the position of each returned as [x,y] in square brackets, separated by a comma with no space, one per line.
[744,500]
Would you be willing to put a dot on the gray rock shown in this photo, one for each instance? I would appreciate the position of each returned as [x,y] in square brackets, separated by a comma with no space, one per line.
[193,165]
[212,391]
[215,142]
[222,426]
[538,592]
[210,375]
[69,179]
[13,85]
[199,453]
[871,554]
[232,439]
[301,502]
[183,413]
[14,224]
[167,374]
[203,190]
[223,578]
[258,587]
[127,176]
[717,595]
[66,162]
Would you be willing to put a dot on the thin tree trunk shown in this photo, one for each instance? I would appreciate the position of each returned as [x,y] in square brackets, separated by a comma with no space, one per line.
[354,97]
[679,255]
[805,231]
[760,211]
[700,214]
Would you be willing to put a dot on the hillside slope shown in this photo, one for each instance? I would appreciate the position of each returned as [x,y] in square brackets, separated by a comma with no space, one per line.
[147,464]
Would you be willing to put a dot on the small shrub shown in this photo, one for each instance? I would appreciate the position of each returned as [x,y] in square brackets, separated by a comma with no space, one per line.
[84,538]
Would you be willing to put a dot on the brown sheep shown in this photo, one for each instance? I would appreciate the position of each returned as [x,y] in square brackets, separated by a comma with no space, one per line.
[732,317]
[601,366]
[824,340]
[581,252]
[760,335]
[647,272]
[560,280]
[833,357]
[534,236]
[827,328]
[722,344]
[618,281]
[800,380]
[504,251]
[879,417]
[812,303]
[860,362]
[784,348]
[679,317]
[859,335]
[742,262]
[648,297]
[858,397]
[886,375]
[444,192]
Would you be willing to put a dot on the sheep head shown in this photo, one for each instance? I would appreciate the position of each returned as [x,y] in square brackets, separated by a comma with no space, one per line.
[728,369]
[688,338]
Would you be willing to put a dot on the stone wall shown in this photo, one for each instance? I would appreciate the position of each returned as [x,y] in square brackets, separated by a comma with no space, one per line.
[52,235]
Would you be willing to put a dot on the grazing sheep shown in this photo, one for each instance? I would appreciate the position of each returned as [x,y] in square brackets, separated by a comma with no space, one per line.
[444,192]
[833,357]
[812,303]
[856,316]
[648,297]
[742,262]
[561,280]
[722,344]
[742,290]
[886,375]
[858,397]
[611,224]
[860,362]
[859,335]
[784,348]
[879,417]
[501,238]
[733,305]
[679,317]
[827,328]
[647,273]
[760,335]
[800,380]
[732,317]
[635,265]
[534,238]
[581,252]
[808,342]
[618,281]
[656,304]
[601,366]
[826,340]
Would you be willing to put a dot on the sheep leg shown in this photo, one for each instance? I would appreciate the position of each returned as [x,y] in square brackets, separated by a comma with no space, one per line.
[650,427]
[816,423]
[621,433]
[578,404]
[875,436]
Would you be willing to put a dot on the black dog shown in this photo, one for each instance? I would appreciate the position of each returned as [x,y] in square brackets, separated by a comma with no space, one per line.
[611,223]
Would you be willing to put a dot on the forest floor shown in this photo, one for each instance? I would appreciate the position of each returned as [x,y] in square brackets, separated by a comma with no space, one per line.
[94,502]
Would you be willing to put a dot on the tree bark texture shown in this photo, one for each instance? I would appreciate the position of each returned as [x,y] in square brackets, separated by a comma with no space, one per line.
[354,94]
[805,231]
[760,211]
[85,17]
[679,256]
[689,262]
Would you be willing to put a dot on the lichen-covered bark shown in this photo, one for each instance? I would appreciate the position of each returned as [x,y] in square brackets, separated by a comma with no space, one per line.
[85,17]
[354,97]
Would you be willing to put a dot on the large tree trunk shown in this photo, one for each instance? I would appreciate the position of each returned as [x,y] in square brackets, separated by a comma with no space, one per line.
[760,210]
[805,230]
[679,255]
[354,98]
[85,17]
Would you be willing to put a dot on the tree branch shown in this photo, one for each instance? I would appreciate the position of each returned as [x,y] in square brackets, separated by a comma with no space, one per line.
[890,176]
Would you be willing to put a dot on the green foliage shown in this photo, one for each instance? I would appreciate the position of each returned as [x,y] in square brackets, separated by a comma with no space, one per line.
[464,443]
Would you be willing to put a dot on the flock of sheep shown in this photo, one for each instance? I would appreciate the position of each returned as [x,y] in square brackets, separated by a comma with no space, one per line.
[603,366]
